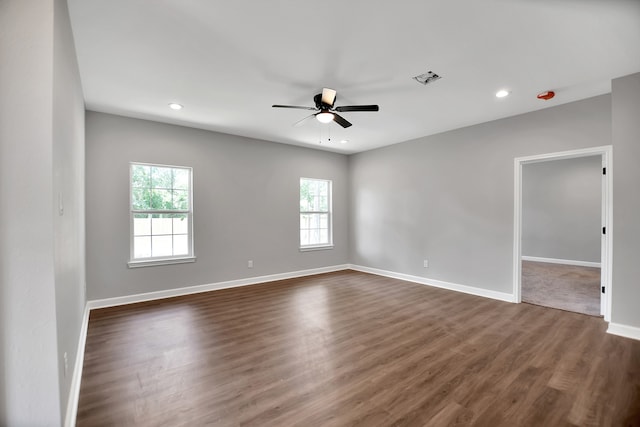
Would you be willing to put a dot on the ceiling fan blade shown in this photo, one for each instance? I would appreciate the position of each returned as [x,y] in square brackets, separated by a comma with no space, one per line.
[295,106]
[303,121]
[357,108]
[341,120]
[328,96]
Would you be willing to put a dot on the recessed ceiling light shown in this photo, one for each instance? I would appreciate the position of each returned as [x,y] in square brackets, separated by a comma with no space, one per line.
[502,93]
[344,141]
[175,106]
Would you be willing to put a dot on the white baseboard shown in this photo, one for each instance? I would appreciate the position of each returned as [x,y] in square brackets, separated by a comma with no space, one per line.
[624,331]
[501,296]
[74,392]
[561,261]
[169,293]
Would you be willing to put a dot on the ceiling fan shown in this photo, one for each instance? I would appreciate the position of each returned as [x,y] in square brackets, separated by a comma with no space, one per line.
[326,112]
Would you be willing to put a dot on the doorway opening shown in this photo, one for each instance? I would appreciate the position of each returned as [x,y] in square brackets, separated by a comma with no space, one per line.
[561,262]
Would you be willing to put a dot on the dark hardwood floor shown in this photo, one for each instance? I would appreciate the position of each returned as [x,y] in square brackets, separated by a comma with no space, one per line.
[353,349]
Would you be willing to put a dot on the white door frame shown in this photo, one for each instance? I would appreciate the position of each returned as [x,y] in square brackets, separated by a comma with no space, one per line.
[606,152]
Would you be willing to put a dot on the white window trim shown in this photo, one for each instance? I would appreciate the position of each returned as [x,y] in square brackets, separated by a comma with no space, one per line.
[310,248]
[324,246]
[153,261]
[149,262]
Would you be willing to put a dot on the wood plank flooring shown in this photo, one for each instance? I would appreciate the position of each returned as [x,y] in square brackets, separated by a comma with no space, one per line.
[353,349]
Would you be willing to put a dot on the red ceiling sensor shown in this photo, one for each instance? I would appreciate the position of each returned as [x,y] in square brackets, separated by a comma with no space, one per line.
[546,95]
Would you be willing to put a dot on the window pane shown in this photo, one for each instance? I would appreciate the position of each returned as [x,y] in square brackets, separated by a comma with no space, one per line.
[304,221]
[161,224]
[140,176]
[323,236]
[161,199]
[161,177]
[141,225]
[324,221]
[314,223]
[180,199]
[304,237]
[162,245]
[305,195]
[323,203]
[180,224]
[141,247]
[181,244]
[181,179]
[140,198]
[314,237]
[323,188]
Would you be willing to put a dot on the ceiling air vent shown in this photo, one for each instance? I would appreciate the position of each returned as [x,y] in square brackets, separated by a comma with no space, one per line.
[426,78]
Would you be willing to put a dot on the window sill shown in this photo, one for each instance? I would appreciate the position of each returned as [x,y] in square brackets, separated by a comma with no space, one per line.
[315,248]
[161,261]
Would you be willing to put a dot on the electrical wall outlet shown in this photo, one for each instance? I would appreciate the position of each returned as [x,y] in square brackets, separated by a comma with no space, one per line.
[426,263]
[250,263]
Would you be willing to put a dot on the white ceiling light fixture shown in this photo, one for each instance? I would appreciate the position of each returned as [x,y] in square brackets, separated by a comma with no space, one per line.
[324,117]
[175,106]
[344,141]
[502,93]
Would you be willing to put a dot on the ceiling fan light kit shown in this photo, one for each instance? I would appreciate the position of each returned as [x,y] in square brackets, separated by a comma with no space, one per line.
[324,117]
[326,112]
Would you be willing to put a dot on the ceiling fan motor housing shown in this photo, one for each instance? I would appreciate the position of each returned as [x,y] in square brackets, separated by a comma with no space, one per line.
[322,105]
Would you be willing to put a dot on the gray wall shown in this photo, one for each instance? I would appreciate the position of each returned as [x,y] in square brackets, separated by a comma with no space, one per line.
[449,197]
[68,189]
[561,209]
[38,268]
[626,200]
[246,198]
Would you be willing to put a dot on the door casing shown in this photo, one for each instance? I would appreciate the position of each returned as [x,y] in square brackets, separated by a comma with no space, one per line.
[605,152]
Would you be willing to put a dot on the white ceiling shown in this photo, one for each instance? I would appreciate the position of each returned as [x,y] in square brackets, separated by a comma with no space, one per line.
[227,62]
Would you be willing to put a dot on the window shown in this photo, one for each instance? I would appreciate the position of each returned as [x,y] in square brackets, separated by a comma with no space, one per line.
[315,214]
[161,215]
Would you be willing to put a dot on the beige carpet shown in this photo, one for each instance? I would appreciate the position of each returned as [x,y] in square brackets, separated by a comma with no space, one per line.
[566,287]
